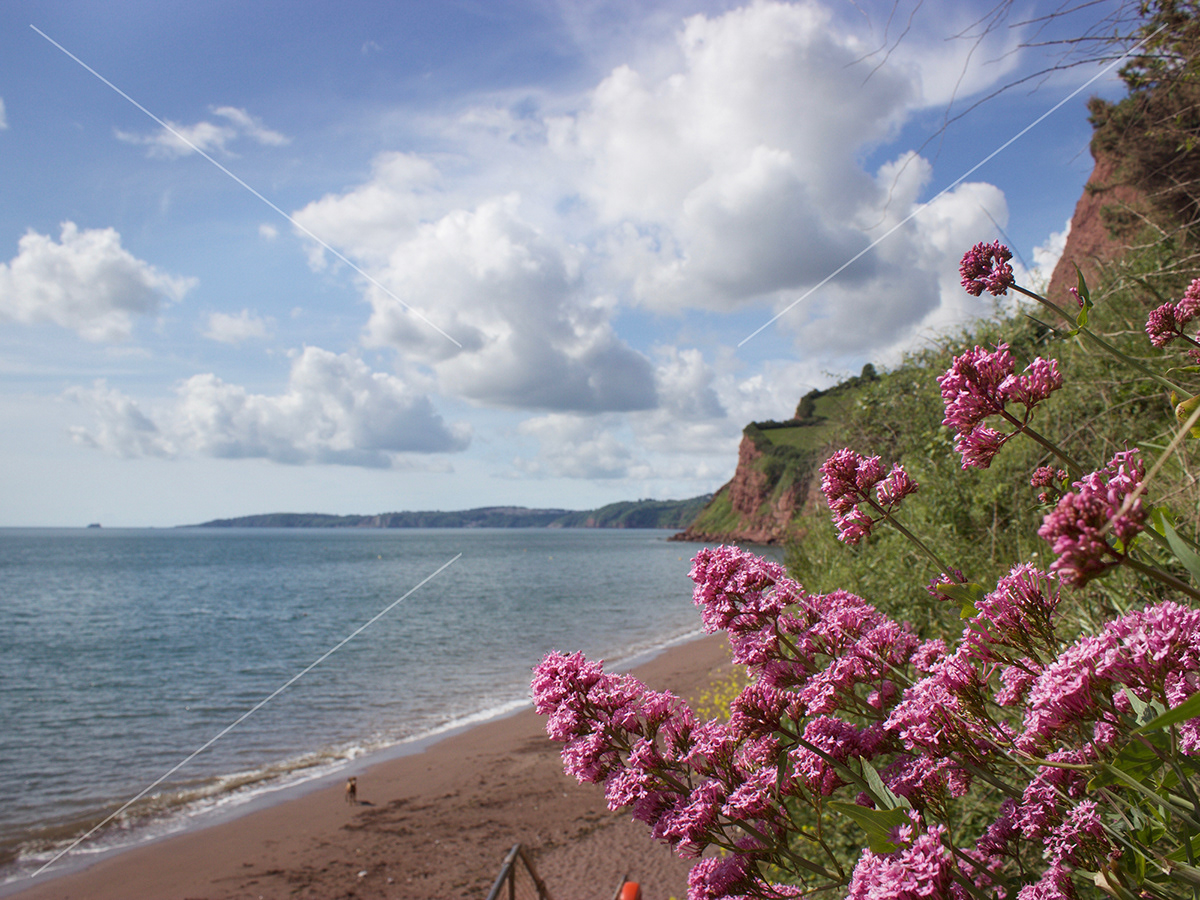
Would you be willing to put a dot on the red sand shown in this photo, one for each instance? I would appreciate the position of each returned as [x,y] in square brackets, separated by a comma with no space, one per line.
[436,824]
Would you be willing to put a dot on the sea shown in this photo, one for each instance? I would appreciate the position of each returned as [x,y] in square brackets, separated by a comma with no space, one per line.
[154,680]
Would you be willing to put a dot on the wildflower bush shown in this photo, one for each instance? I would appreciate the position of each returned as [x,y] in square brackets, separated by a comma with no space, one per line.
[1012,745]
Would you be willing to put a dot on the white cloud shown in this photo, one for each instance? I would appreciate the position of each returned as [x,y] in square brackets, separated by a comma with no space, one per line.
[911,292]
[234,329]
[335,411]
[730,176]
[689,440]
[736,178]
[736,175]
[3,117]
[969,58]
[252,127]
[121,427]
[209,137]
[267,231]
[368,221]
[575,446]
[685,385]
[1045,257]
[86,282]
[727,175]
[509,294]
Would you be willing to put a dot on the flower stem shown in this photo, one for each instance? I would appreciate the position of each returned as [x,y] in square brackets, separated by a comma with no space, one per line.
[887,517]
[1048,444]
[1159,575]
[1100,342]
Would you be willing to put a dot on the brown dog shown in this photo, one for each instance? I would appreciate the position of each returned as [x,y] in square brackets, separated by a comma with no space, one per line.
[352,790]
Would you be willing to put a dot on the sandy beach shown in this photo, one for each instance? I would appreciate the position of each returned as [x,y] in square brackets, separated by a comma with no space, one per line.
[435,824]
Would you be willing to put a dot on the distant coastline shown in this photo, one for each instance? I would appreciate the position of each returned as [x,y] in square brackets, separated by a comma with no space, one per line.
[674,514]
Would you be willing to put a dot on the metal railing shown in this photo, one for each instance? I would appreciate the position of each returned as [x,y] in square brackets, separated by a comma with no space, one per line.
[518,879]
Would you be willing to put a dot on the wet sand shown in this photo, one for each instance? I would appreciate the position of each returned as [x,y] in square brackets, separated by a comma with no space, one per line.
[434,824]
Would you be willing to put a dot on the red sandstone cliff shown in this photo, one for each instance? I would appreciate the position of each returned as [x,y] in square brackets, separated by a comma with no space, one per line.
[1091,242]
[756,506]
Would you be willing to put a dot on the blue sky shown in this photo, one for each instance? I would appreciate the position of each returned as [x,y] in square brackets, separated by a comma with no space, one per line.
[551,225]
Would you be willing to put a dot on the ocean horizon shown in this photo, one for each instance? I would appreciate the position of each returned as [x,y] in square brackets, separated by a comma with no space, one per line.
[126,650]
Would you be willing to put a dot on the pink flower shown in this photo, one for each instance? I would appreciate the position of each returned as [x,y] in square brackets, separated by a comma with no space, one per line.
[922,870]
[846,481]
[737,591]
[922,780]
[1050,479]
[836,739]
[757,710]
[1161,325]
[985,267]
[1152,652]
[754,798]
[1080,840]
[978,385]
[1015,681]
[895,487]
[1078,527]
[1018,613]
[1189,307]
[1055,884]
[941,714]
[971,386]
[1167,322]
[688,824]
[717,877]
[1000,834]
[928,654]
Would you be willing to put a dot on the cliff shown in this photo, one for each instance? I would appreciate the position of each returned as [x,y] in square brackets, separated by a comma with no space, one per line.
[752,507]
[1108,209]
[777,472]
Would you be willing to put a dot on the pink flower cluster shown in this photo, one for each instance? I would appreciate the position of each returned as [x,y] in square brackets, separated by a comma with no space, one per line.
[921,871]
[985,267]
[1167,322]
[1018,614]
[979,385]
[1154,652]
[1050,479]
[847,479]
[1078,528]
[835,686]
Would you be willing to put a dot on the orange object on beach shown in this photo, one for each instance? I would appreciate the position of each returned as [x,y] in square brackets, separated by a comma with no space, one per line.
[631,890]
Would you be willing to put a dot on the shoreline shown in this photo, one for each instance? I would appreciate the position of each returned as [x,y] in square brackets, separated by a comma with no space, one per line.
[435,818]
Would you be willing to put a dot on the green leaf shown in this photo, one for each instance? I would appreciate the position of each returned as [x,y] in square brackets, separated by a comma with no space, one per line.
[1188,709]
[1138,760]
[966,594]
[1185,873]
[877,823]
[1143,712]
[1081,286]
[1185,554]
[883,794]
[1181,855]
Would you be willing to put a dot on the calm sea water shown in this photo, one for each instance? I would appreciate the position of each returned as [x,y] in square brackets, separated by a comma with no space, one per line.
[123,651]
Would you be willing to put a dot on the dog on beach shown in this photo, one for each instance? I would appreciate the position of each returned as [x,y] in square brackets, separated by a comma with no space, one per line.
[352,790]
